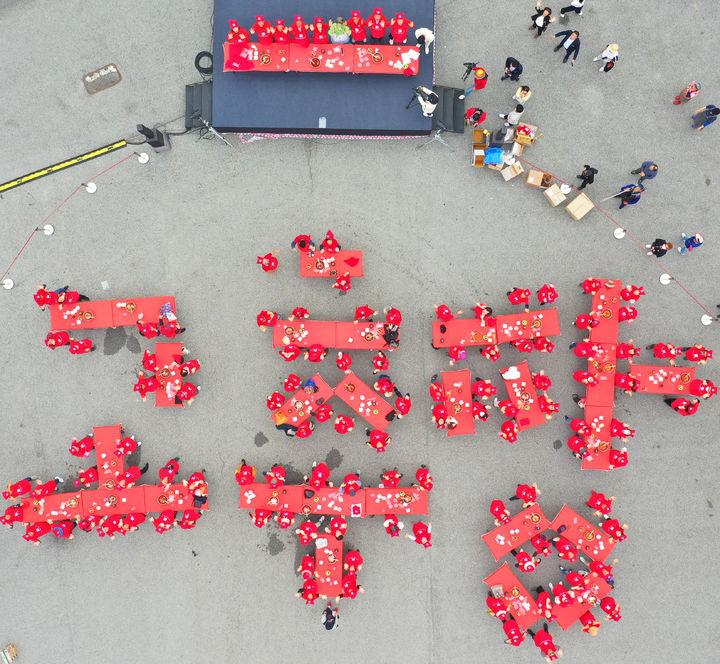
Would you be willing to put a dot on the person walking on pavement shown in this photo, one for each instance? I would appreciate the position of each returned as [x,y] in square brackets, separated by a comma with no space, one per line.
[513,117]
[690,243]
[587,176]
[541,19]
[522,94]
[481,79]
[609,57]
[647,171]
[688,93]
[630,194]
[705,116]
[570,42]
[574,6]
[330,617]
[513,69]
[658,248]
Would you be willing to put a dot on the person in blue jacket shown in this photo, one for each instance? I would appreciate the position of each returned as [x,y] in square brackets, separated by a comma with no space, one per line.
[570,42]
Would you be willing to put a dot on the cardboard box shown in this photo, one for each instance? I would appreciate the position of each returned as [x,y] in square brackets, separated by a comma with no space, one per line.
[496,167]
[534,178]
[478,135]
[554,195]
[522,138]
[512,171]
[517,148]
[579,207]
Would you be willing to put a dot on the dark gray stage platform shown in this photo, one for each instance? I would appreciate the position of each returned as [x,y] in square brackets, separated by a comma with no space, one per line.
[294,102]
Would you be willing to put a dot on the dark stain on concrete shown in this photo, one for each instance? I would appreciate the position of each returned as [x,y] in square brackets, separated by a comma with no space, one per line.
[260,439]
[557,444]
[133,345]
[115,339]
[274,545]
[333,459]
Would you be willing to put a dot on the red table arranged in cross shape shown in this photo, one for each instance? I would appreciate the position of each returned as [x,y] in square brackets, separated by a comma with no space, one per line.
[329,565]
[518,601]
[322,58]
[604,365]
[606,307]
[654,379]
[401,500]
[520,529]
[332,501]
[527,325]
[599,441]
[521,392]
[96,314]
[331,264]
[168,373]
[462,331]
[284,498]
[348,335]
[385,59]
[458,401]
[365,401]
[589,539]
[362,335]
[302,404]
[567,616]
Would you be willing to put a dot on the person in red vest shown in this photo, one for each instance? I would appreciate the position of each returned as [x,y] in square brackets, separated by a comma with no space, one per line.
[393,525]
[245,473]
[237,34]
[56,339]
[399,27]
[299,32]
[13,514]
[34,531]
[544,641]
[600,503]
[547,294]
[307,532]
[524,561]
[15,490]
[353,561]
[357,27]
[81,347]
[168,472]
[589,624]
[164,522]
[263,29]
[500,512]
[377,23]
[343,283]
[319,476]
[422,534]
[390,479]
[320,31]
[126,446]
[423,476]
[186,394]
[683,406]
[44,297]
[611,607]
[268,262]
[515,636]
[82,447]
[282,32]
[697,353]
[189,519]
[496,607]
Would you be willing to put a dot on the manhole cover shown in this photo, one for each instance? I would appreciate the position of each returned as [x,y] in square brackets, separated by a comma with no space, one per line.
[102,78]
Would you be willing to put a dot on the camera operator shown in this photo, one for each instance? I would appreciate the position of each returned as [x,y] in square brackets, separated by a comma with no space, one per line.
[427,99]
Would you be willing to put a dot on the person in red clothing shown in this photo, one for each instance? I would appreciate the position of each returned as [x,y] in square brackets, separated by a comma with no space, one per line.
[621,430]
[330,244]
[611,607]
[34,531]
[483,313]
[377,24]
[357,27]
[565,548]
[186,394]
[189,519]
[320,31]
[245,474]
[519,296]
[350,586]
[275,477]
[548,406]
[80,347]
[683,406]
[145,385]
[626,382]
[126,446]
[343,283]
[544,345]
[299,313]
[584,321]
[353,561]
[47,489]
[423,476]
[523,345]
[379,440]
[399,27]
[422,534]
[483,389]
[436,390]
[82,447]
[292,383]
[324,413]
[147,330]
[307,568]
[625,350]
[444,313]
[491,352]
[475,116]
[164,522]
[133,521]
[580,427]
[383,385]
[480,411]
[44,297]
[618,458]
[149,361]
[285,519]
[380,362]
[268,262]
[479,82]
[305,429]
[261,517]
[15,490]
[110,525]
[393,525]
[189,368]
[541,381]
[628,314]
[266,319]
[591,285]
[515,636]
[524,561]
[56,339]
[344,424]
[130,476]
[600,503]
[547,294]
[389,479]
[315,353]
[237,34]
[500,512]
[544,641]
[589,624]
[343,362]
[338,527]
[602,570]
[307,532]
[586,378]
[496,607]
[697,353]
[528,494]
[632,294]
[170,329]
[63,529]
[542,545]
[403,405]
[583,348]
[392,315]
[702,388]
[457,353]
[303,243]
[13,514]
[440,415]
[351,484]
[364,313]
[507,408]
[263,29]
[282,32]
[290,352]
[613,528]
[577,446]
[169,471]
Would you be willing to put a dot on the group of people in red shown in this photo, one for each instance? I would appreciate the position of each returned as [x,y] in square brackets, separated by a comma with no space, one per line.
[55,340]
[579,583]
[321,32]
[153,380]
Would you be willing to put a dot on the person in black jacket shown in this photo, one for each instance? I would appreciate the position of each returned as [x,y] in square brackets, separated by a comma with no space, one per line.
[541,19]
[587,176]
[513,69]
[570,42]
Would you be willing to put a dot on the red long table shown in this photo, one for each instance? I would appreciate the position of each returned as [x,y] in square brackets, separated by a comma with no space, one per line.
[385,59]
[589,539]
[168,375]
[527,325]
[365,401]
[256,57]
[518,601]
[458,401]
[599,441]
[653,379]
[302,404]
[285,498]
[520,529]
[329,565]
[462,331]
[322,58]
[567,616]
[106,313]
[331,264]
[346,335]
[605,307]
[603,364]
[522,393]
[401,500]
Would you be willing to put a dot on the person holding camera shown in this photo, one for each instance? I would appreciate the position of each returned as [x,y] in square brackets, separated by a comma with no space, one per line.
[481,79]
[427,99]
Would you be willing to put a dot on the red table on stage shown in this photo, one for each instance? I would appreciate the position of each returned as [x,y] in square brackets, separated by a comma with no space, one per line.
[168,375]
[518,601]
[462,331]
[331,501]
[654,379]
[329,565]
[521,392]
[458,401]
[527,325]
[261,495]
[395,501]
[360,336]
[603,364]
[322,58]
[301,405]
[589,539]
[305,333]
[332,264]
[385,59]
[567,616]
[520,529]
[262,57]
[81,315]
[606,305]
[365,401]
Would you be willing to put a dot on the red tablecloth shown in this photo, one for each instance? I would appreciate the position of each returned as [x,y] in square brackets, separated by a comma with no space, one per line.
[567,616]
[256,57]
[589,539]
[603,365]
[465,331]
[305,333]
[364,400]
[332,501]
[522,393]
[127,312]
[81,315]
[600,440]
[322,58]
[392,58]
[654,379]
[393,501]
[261,495]
[458,401]
[167,374]
[109,465]
[331,264]
[301,405]
[519,602]
[55,507]
[101,502]
[513,534]
[527,325]
[360,336]
[329,565]
[176,497]
[606,304]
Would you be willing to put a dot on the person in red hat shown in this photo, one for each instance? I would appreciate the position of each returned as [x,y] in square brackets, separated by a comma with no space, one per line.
[422,475]
[307,532]
[285,519]
[392,315]
[353,561]
[584,321]
[351,484]
[380,362]
[34,531]
[307,568]
[169,471]
[479,82]
[189,519]
[621,430]
[377,23]
[393,525]
[544,345]
[290,352]
[343,283]
[282,32]
[586,378]
[263,29]
[323,413]
[275,477]
[589,624]
[44,297]
[315,353]
[245,474]
[547,294]
[266,319]
[507,408]
[544,641]
[565,548]
[527,493]
[47,489]
[13,514]
[338,527]
[611,607]
[379,440]
[422,534]
[702,388]
[600,503]
[500,512]
[399,27]
[683,406]
[697,353]
[541,381]
[260,517]
[344,424]
[509,431]
[577,446]
[628,314]
[364,313]
[444,313]
[515,635]
[319,476]
[519,296]
[126,446]
[542,545]
[268,262]
[237,34]
[56,339]
[147,330]
[491,352]
[618,458]
[330,244]
[343,362]
[626,382]
[613,528]
[548,406]
[357,27]
[524,561]
[389,479]
[146,384]
[80,347]
[457,353]
[480,410]
[632,294]
[496,607]
[127,479]
[292,383]
[403,405]
[82,447]
[591,285]
[350,586]
[483,389]
[164,522]
[320,31]
[15,490]
[624,351]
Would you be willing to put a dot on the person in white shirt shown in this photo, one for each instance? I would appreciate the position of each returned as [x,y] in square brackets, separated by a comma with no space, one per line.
[574,6]
[512,118]
[428,100]
[609,57]
[424,37]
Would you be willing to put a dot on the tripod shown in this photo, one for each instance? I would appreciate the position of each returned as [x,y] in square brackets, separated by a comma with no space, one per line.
[209,129]
[413,101]
[437,136]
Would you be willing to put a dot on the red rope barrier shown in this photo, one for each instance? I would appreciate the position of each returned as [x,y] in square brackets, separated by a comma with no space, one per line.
[633,238]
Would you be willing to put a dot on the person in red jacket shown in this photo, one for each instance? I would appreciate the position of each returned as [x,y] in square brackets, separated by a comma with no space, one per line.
[307,568]
[697,353]
[290,352]
[186,394]
[353,561]
[528,494]
[130,476]
[519,296]
[189,519]
[591,285]
[589,624]
[621,430]
[565,548]
[500,512]
[303,244]
[379,440]
[586,378]
[80,346]
[544,641]
[330,243]
[266,319]
[307,532]
[547,294]
[146,384]
[507,408]
[48,488]
[618,458]
[261,517]
[44,297]
[628,314]
[169,471]
[491,352]
[393,525]
[285,519]
[524,561]
[403,404]
[351,484]
[268,262]
[509,431]
[343,362]
[126,446]
[613,528]
[683,406]
[319,476]
[164,522]
[377,24]
[423,476]
[320,31]
[147,330]
[515,636]
[399,27]
[292,383]
[584,321]
[475,116]
[344,424]
[275,477]
[324,412]
[237,34]
[315,353]
[364,313]
[600,503]
[338,527]
[263,29]
[357,27]
[624,351]
[149,362]
[422,534]
[56,339]
[282,32]
[15,490]
[626,382]
[611,607]
[350,586]
[389,479]
[343,283]
[583,348]
[34,531]
[702,388]
[13,514]
[444,313]
[245,474]
[83,447]
[542,545]
[496,607]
